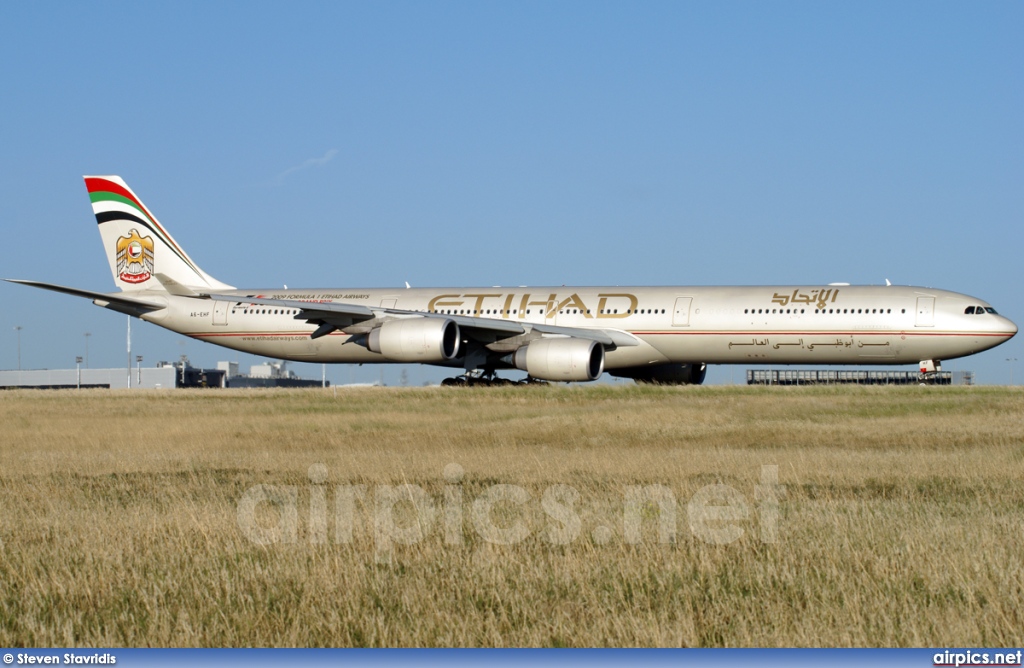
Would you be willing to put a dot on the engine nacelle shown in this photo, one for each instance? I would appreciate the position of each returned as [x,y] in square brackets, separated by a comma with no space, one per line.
[561,359]
[665,374]
[416,340]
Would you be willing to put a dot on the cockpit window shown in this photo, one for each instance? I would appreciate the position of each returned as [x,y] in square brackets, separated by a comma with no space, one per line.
[969,310]
[989,309]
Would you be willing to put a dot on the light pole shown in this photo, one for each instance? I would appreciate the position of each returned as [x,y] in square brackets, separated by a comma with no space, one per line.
[78,363]
[87,335]
[17,328]
[1011,360]
[138,365]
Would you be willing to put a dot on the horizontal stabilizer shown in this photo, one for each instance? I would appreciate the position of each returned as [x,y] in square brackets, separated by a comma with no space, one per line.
[174,287]
[134,304]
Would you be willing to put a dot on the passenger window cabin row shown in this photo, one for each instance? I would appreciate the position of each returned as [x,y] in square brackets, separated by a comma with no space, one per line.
[785,311]
[970,310]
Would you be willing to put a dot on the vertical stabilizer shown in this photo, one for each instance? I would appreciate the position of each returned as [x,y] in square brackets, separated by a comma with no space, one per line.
[137,246]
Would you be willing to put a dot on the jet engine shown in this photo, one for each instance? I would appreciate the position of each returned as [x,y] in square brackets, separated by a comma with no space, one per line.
[665,374]
[416,340]
[561,359]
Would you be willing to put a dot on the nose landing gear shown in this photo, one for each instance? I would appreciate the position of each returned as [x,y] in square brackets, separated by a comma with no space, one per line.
[929,370]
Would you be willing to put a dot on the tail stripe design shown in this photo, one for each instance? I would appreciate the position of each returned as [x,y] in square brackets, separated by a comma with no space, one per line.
[108,202]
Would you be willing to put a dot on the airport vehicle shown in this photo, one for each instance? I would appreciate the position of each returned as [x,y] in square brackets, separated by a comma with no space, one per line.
[654,334]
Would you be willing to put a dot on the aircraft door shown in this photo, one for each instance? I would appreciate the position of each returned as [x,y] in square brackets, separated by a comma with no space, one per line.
[925,312]
[220,312]
[681,312]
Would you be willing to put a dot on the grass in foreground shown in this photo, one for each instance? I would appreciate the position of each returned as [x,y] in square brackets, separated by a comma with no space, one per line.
[901,523]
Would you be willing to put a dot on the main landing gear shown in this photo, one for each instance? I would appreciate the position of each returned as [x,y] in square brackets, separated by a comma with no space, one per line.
[486,378]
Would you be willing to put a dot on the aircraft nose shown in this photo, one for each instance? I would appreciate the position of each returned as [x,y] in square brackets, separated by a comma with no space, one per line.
[1008,327]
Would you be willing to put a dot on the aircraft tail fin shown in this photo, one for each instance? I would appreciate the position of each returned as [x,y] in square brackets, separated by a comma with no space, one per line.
[139,249]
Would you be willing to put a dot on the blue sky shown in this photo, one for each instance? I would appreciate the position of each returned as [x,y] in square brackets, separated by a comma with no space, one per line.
[368,144]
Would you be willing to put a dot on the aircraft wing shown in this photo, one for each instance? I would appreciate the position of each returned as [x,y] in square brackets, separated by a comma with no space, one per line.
[611,338]
[117,302]
[334,315]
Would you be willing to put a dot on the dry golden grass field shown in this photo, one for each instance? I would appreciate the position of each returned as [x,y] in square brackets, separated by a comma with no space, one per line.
[542,516]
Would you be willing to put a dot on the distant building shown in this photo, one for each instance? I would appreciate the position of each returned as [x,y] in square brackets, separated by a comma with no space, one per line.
[165,375]
[55,379]
[230,369]
[268,374]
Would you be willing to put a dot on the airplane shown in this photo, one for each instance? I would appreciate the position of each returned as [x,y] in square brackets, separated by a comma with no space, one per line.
[650,334]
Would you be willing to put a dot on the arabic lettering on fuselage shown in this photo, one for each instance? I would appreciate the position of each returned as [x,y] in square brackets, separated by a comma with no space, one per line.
[819,296]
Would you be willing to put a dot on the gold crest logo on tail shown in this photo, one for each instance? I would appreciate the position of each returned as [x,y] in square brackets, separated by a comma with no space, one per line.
[134,258]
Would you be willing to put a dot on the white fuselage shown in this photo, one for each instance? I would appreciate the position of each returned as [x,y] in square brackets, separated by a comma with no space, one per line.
[714,325]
